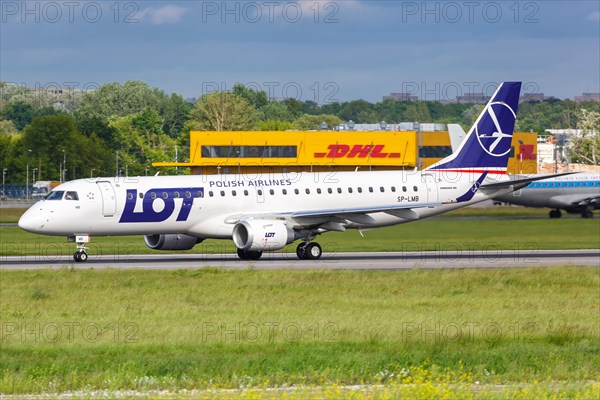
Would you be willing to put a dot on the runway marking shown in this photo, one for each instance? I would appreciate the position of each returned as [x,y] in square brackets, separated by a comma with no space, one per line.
[378,261]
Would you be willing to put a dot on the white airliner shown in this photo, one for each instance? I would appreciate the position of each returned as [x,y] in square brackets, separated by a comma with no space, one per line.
[265,213]
[576,194]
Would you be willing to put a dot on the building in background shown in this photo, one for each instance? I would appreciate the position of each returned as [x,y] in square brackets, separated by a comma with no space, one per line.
[401,97]
[588,97]
[265,152]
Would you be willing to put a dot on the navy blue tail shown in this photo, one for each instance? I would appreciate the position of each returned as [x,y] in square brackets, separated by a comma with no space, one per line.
[487,145]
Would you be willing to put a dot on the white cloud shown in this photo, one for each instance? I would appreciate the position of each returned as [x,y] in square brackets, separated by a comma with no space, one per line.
[595,16]
[163,15]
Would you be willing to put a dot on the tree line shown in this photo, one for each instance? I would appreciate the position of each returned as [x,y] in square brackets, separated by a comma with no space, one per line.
[145,125]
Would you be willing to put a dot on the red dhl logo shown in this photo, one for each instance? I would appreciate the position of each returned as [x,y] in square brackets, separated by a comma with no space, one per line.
[356,151]
[526,151]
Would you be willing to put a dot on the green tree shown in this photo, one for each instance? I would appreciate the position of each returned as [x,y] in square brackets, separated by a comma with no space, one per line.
[20,113]
[470,115]
[390,110]
[222,111]
[116,99]
[174,111]
[275,125]
[10,93]
[310,107]
[7,152]
[257,98]
[276,111]
[148,124]
[331,108]
[141,140]
[360,111]
[294,107]
[417,112]
[313,122]
[48,140]
[7,128]
[586,145]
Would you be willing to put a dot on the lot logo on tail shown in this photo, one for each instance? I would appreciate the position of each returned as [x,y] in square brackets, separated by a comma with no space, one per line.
[497,143]
[487,146]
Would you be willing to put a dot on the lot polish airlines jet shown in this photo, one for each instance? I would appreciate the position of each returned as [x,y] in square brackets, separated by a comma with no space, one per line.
[265,214]
[577,194]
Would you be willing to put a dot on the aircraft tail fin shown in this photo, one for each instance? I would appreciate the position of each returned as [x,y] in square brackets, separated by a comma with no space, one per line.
[487,146]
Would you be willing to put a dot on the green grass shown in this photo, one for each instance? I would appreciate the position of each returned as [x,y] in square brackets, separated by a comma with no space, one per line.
[472,229]
[113,329]
[10,215]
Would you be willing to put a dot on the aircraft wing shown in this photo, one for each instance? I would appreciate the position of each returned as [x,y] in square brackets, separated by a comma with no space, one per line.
[395,209]
[358,215]
[521,183]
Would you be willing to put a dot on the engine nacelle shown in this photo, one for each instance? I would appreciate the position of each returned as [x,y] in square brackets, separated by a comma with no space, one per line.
[262,235]
[171,241]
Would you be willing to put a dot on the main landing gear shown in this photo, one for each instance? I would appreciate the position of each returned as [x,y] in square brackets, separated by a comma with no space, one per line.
[586,212]
[81,255]
[249,255]
[309,251]
[304,251]
[555,214]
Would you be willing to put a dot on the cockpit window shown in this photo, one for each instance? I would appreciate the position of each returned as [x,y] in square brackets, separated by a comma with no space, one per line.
[55,195]
[71,196]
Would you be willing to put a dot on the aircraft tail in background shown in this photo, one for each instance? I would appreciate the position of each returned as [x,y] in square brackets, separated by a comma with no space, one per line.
[487,146]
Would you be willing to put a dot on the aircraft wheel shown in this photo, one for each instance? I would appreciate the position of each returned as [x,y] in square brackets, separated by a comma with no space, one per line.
[80,256]
[249,255]
[255,255]
[242,254]
[301,251]
[555,213]
[313,251]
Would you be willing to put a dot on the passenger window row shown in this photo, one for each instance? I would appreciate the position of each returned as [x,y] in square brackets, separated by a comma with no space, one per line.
[338,190]
[165,195]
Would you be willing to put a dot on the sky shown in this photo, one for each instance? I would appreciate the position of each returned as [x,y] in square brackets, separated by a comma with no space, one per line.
[316,50]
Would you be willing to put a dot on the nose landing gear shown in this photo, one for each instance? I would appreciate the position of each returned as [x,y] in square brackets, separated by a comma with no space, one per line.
[81,255]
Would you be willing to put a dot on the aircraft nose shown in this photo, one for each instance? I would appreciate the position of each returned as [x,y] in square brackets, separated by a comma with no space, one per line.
[30,222]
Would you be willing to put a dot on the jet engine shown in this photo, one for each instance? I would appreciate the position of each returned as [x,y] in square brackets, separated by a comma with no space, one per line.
[262,234]
[171,241]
